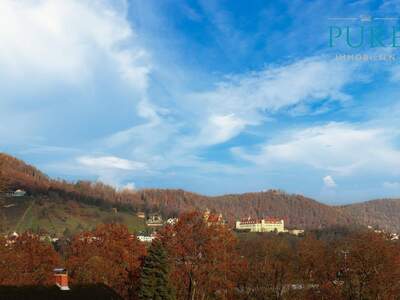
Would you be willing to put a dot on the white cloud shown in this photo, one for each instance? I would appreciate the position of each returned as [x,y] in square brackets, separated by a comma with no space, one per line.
[249,99]
[75,59]
[391,185]
[64,40]
[219,128]
[329,182]
[277,87]
[110,162]
[336,147]
[115,171]
[130,186]
[111,170]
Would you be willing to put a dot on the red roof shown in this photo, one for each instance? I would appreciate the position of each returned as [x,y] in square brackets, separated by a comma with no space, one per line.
[272,220]
[250,221]
[212,218]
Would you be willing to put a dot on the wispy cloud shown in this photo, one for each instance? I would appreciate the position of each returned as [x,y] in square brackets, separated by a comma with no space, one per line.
[110,162]
[250,98]
[224,112]
[342,148]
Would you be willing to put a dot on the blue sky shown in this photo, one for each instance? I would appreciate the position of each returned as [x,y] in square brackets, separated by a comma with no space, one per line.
[210,96]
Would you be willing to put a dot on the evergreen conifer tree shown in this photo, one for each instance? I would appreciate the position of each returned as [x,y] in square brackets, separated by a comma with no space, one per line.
[154,278]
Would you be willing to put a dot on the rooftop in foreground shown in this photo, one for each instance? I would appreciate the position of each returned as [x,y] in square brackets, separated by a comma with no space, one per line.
[84,292]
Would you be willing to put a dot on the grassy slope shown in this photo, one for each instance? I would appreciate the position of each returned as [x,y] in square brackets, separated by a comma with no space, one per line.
[56,215]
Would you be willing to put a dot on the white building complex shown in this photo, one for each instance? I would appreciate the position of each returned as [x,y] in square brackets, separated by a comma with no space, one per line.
[261,225]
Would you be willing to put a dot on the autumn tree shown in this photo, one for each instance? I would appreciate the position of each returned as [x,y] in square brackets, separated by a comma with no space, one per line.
[109,255]
[26,260]
[318,267]
[370,267]
[154,279]
[363,265]
[203,257]
[270,265]
[3,178]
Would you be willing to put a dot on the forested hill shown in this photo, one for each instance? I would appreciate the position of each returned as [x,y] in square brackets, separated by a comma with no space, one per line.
[382,213]
[297,210]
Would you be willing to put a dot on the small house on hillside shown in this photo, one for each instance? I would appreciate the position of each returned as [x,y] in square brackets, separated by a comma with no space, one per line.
[213,219]
[155,220]
[172,221]
[296,231]
[17,193]
[141,215]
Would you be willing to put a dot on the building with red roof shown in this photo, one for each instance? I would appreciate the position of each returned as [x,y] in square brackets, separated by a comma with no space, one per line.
[211,218]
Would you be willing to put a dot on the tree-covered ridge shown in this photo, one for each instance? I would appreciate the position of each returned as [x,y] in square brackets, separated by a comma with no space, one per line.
[297,211]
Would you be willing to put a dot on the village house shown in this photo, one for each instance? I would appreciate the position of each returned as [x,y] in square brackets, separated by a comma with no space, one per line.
[155,220]
[172,221]
[296,231]
[11,238]
[141,215]
[261,225]
[213,219]
[17,193]
[147,238]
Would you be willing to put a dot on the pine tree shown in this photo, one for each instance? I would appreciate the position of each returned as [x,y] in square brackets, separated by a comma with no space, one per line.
[154,279]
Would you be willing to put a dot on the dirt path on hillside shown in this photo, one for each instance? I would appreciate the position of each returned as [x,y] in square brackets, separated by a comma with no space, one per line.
[24,215]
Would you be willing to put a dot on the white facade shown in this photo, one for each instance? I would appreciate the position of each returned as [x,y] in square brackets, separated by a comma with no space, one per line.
[172,221]
[296,231]
[146,239]
[263,225]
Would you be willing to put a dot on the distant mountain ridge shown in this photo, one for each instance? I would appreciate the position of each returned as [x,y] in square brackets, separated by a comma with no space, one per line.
[382,213]
[297,210]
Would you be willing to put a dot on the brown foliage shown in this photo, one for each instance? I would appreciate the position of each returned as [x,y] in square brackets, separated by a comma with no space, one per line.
[318,267]
[208,262]
[270,267]
[204,260]
[26,260]
[364,265]
[109,255]
[14,174]
[371,267]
